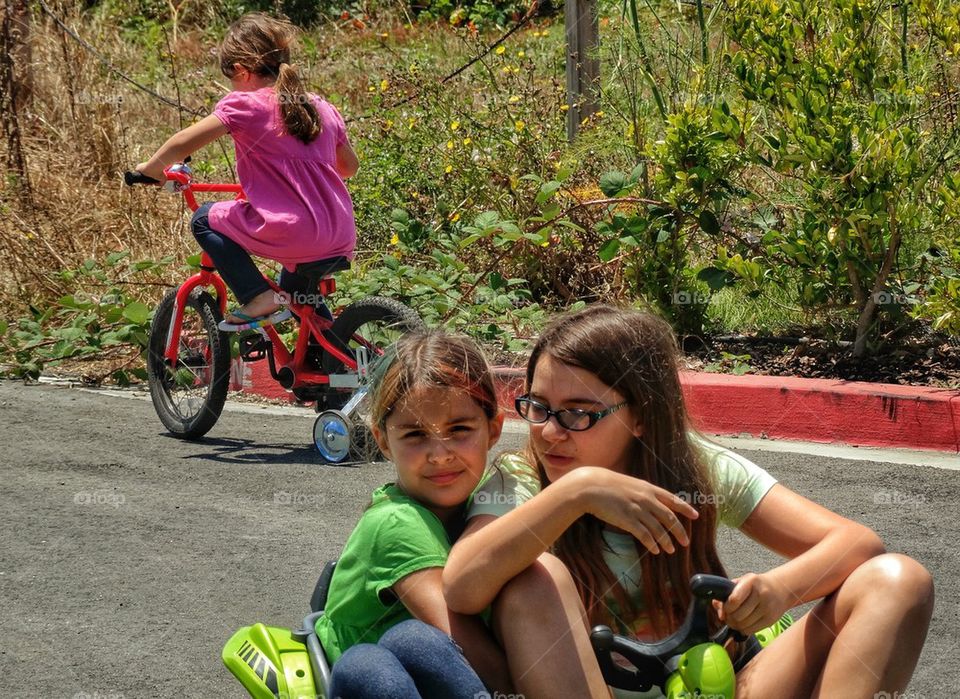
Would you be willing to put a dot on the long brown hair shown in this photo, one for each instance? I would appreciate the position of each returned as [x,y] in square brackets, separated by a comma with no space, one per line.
[636,353]
[261,44]
[431,359]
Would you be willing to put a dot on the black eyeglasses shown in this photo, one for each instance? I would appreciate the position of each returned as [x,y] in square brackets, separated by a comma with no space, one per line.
[573,419]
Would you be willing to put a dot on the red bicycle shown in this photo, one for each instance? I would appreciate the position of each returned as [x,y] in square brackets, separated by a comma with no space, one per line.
[188,356]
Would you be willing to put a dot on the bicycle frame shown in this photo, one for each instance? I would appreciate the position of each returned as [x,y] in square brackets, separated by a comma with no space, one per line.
[286,367]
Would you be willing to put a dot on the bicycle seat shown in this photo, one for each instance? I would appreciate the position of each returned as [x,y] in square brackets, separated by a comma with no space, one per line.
[319,269]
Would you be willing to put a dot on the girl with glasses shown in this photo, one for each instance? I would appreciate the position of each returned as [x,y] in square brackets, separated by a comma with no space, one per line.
[628,507]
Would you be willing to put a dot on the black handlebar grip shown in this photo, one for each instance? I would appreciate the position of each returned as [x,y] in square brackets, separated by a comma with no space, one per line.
[133,177]
[711,586]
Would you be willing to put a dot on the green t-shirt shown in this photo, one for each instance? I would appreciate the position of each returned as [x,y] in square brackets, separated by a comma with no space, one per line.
[396,536]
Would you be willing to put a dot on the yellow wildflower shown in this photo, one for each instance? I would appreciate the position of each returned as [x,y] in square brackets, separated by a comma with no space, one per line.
[448,169]
[467,141]
[519,125]
[455,217]
[454,125]
[500,50]
[514,99]
[449,145]
[564,107]
[384,85]
[395,239]
[520,54]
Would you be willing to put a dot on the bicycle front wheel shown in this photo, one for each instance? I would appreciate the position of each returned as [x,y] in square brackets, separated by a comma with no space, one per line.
[189,396]
[374,323]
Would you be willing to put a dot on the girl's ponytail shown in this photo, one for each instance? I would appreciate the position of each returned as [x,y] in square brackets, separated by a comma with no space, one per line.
[297,110]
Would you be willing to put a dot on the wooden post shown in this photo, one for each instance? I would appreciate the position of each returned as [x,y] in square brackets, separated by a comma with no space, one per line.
[14,85]
[583,64]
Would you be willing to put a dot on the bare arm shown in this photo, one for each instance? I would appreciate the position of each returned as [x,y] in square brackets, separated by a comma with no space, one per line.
[347,161]
[823,551]
[182,144]
[492,551]
[422,594]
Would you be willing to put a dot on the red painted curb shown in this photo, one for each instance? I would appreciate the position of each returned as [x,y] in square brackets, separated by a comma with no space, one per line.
[812,410]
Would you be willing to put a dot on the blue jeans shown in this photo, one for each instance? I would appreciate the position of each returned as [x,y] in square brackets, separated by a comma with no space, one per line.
[238,269]
[413,660]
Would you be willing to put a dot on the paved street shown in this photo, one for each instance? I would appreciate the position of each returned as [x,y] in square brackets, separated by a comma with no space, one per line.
[128,557]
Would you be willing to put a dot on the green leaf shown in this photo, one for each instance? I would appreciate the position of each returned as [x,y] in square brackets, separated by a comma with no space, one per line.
[612,183]
[715,278]
[136,312]
[547,190]
[609,250]
[708,222]
[3,327]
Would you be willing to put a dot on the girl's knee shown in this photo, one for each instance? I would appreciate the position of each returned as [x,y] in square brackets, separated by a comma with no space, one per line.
[367,668]
[414,636]
[536,587]
[895,577]
[198,222]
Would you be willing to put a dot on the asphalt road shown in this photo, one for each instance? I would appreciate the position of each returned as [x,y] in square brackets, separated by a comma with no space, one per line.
[127,557]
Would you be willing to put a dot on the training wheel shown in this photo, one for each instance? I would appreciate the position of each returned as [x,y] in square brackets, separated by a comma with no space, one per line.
[331,435]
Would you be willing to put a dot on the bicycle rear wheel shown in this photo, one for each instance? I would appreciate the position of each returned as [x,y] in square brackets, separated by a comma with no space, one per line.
[189,397]
[374,323]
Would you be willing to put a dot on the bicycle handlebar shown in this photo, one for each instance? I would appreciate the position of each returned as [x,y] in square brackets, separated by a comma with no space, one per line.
[132,177]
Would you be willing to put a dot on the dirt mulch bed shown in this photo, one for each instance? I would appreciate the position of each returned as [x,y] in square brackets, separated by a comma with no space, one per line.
[932,361]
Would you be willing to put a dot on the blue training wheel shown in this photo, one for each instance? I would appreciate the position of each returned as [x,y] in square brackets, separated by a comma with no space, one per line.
[331,435]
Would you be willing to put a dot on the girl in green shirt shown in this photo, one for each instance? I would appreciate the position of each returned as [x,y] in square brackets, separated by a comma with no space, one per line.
[386,626]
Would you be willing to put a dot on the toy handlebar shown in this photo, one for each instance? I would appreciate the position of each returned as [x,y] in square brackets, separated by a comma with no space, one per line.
[654,662]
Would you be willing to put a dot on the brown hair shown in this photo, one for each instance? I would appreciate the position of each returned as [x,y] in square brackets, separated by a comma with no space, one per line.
[636,353]
[431,359]
[262,44]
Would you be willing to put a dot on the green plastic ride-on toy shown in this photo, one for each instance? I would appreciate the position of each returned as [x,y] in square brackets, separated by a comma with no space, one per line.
[277,663]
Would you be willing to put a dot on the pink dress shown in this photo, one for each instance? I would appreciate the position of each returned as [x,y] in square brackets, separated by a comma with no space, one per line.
[298,208]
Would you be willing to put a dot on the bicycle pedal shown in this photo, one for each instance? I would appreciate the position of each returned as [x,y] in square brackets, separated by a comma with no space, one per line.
[253,347]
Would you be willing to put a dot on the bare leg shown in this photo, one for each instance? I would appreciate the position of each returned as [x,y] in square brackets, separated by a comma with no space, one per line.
[863,639]
[543,628]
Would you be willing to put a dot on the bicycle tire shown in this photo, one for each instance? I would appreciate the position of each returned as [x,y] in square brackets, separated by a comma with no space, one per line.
[204,355]
[387,319]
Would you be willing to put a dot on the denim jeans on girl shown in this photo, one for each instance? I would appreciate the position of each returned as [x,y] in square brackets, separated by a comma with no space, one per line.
[238,270]
[413,660]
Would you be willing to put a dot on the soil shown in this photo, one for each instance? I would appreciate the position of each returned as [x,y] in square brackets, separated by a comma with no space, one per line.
[930,361]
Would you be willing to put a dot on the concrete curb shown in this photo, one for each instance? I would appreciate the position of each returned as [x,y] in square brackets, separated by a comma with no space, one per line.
[814,410]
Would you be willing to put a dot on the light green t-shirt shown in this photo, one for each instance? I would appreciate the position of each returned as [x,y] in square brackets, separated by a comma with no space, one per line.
[738,487]
[396,536]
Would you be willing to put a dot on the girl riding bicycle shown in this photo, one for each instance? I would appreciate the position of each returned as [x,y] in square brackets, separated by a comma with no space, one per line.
[386,626]
[630,504]
[292,157]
